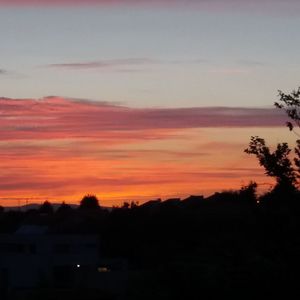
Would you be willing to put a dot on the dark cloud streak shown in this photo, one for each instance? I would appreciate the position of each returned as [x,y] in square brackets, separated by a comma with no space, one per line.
[59,118]
[101,64]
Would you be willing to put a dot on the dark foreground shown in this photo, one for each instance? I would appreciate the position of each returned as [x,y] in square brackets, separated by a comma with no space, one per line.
[223,246]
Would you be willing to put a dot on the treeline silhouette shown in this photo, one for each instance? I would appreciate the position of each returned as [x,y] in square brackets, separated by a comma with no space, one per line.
[232,242]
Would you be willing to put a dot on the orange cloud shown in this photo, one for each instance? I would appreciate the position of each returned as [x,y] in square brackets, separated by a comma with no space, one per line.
[59,149]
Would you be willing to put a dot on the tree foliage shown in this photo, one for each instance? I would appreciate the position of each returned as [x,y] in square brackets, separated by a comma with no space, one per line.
[290,103]
[64,208]
[89,202]
[248,193]
[46,208]
[297,158]
[278,163]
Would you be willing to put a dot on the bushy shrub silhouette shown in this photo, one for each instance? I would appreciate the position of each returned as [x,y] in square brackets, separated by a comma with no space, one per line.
[89,202]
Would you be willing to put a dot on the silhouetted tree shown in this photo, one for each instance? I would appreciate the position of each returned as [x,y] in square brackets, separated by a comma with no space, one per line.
[134,204]
[248,192]
[89,202]
[277,164]
[64,208]
[125,205]
[46,208]
[297,158]
[131,205]
[290,103]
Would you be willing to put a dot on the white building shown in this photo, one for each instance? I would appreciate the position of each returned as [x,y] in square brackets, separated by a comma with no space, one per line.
[30,258]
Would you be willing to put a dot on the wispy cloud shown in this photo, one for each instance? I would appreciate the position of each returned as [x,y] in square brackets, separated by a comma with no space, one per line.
[261,6]
[55,117]
[124,64]
[112,2]
[3,72]
[104,64]
[229,71]
[252,63]
[93,2]
[141,64]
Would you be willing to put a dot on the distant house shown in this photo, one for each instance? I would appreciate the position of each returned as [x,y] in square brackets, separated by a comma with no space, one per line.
[31,258]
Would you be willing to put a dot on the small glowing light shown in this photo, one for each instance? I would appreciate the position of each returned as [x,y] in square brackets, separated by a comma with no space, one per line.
[78,266]
[103,269]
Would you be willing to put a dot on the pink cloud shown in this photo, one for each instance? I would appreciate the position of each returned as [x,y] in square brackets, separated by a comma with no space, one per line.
[59,118]
[87,2]
[266,6]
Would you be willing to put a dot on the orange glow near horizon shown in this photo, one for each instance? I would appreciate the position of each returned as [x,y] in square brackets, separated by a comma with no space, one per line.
[58,150]
[135,171]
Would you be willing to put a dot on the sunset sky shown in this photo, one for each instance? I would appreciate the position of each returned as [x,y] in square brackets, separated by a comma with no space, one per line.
[137,100]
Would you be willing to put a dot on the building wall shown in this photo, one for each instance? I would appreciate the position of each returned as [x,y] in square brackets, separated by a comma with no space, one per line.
[28,261]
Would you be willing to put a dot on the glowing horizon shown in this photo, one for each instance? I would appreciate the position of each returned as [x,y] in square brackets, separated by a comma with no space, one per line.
[156,98]
[60,149]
